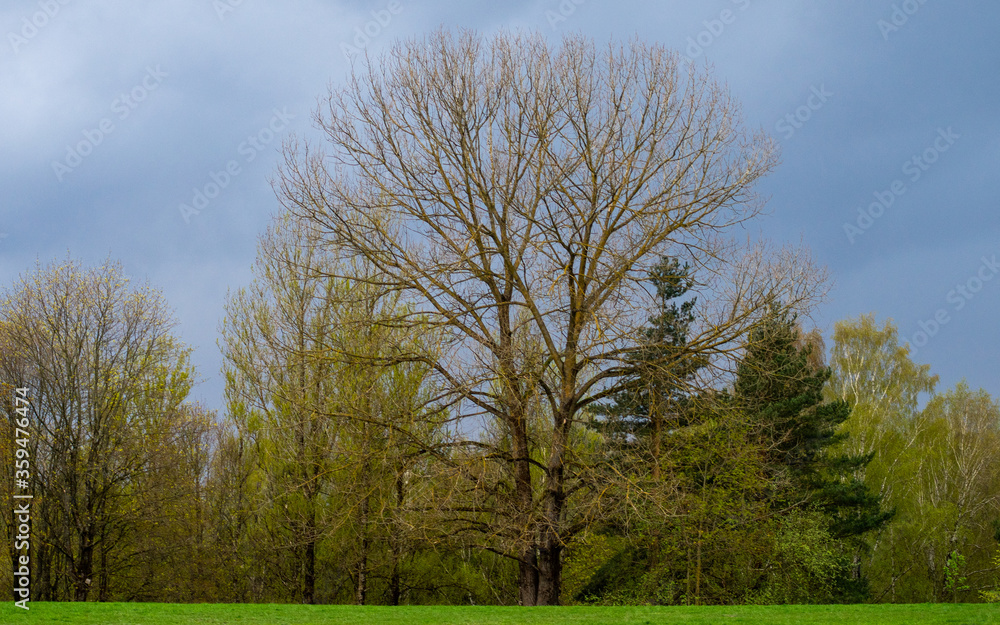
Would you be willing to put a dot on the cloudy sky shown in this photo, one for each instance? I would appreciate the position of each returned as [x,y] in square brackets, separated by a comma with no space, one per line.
[115,115]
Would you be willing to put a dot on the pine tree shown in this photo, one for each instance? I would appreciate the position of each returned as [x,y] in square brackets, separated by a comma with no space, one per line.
[779,388]
[654,403]
[662,366]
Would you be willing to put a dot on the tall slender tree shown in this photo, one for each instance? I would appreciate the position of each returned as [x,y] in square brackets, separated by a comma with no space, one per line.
[331,437]
[875,375]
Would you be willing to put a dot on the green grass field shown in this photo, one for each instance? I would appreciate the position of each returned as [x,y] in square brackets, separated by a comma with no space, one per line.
[250,614]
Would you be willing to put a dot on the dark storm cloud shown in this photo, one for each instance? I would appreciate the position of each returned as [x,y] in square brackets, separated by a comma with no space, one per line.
[166,96]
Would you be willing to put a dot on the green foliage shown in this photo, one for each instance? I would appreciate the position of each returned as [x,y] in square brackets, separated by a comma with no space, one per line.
[954,580]
[938,467]
[770,492]
[763,509]
[334,434]
[804,565]
[993,595]
[117,454]
[824,508]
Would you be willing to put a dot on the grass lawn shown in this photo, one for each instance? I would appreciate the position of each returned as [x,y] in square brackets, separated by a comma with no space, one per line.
[272,614]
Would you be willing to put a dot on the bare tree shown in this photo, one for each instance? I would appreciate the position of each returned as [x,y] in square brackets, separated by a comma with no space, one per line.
[516,195]
[107,380]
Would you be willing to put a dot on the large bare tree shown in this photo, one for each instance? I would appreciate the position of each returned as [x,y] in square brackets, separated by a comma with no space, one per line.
[515,194]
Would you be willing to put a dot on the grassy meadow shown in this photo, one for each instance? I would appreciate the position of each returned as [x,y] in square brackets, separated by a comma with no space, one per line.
[283,614]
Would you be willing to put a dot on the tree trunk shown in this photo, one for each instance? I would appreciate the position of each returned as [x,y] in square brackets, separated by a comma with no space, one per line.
[550,570]
[309,583]
[394,586]
[103,576]
[11,532]
[396,547]
[657,422]
[43,564]
[697,571]
[361,589]
[309,557]
[551,542]
[528,579]
[84,569]
[527,576]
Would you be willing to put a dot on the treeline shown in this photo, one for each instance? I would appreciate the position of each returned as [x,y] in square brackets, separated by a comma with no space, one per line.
[333,480]
[502,346]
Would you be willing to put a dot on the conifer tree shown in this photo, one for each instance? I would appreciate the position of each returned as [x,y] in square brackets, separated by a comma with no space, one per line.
[779,389]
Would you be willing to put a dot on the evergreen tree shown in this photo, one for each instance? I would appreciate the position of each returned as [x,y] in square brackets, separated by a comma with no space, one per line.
[781,528]
[779,390]
[654,402]
[662,367]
